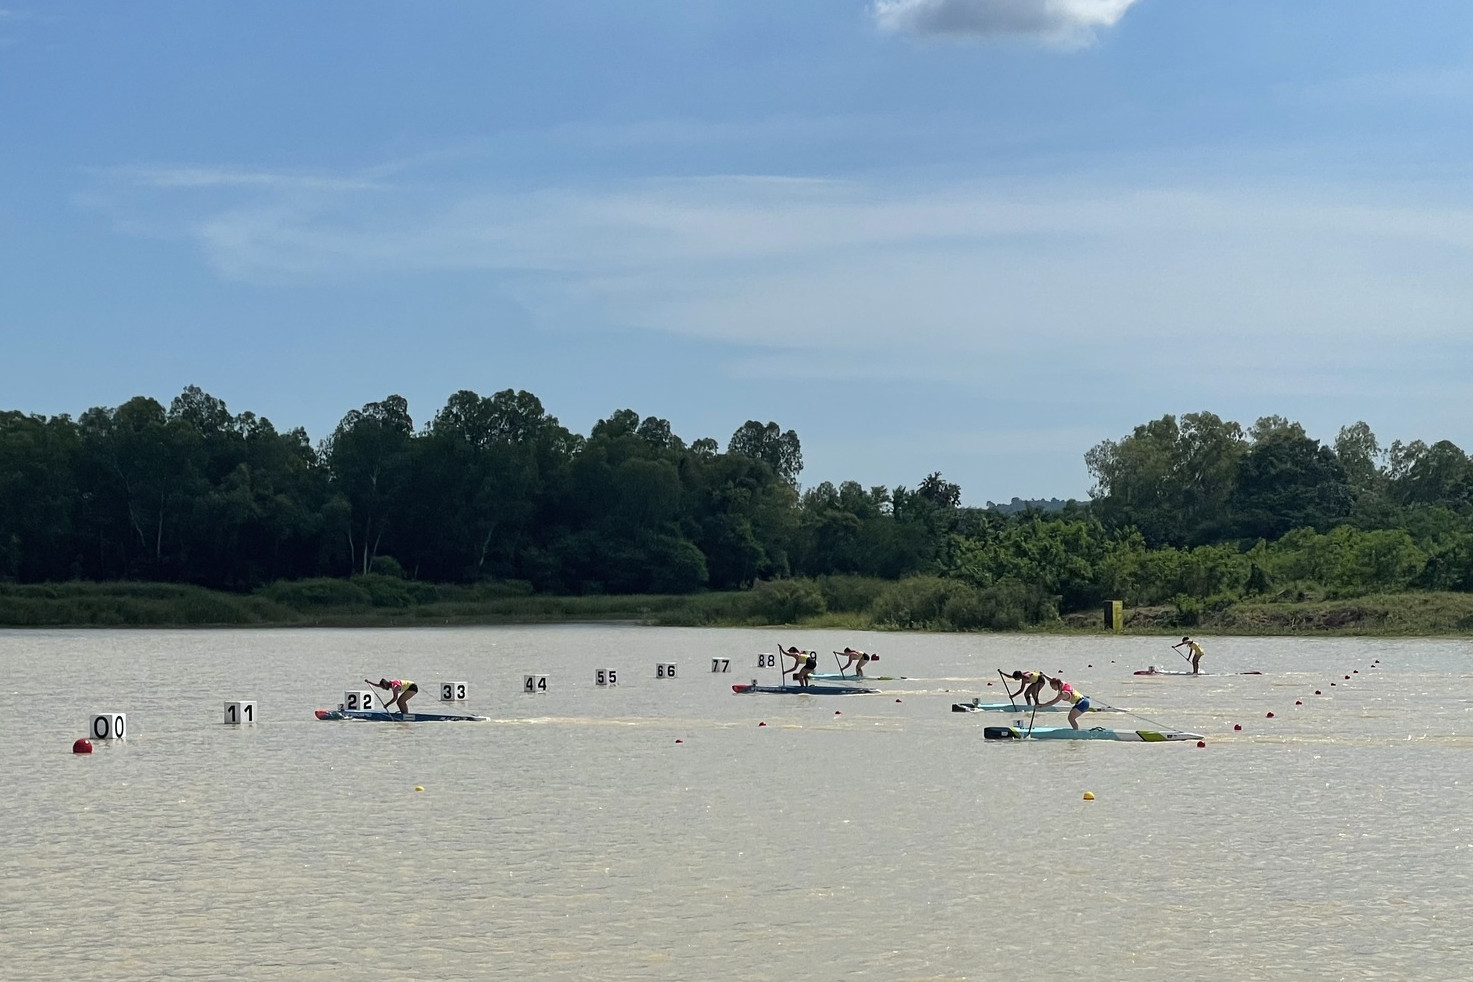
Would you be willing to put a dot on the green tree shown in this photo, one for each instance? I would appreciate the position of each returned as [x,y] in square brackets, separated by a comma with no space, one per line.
[368,456]
[779,450]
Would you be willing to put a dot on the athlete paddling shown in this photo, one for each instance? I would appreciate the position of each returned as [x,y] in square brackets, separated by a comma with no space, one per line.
[1064,692]
[1031,684]
[802,675]
[857,660]
[400,692]
[798,658]
[1195,650]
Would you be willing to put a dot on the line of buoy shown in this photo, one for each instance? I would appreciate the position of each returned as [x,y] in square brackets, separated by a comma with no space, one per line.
[1318,692]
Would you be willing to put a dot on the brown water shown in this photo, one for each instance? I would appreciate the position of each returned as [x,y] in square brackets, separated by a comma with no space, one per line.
[654,831]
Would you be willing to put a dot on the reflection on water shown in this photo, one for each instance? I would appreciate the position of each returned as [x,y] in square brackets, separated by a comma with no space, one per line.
[654,830]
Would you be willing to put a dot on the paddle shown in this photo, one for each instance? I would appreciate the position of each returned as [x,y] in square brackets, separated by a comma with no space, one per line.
[841,667]
[1007,690]
[1184,656]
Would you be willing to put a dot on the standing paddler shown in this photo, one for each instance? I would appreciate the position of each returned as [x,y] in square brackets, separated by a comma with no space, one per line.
[1031,685]
[854,655]
[1195,650]
[400,692]
[810,662]
[1063,691]
[797,656]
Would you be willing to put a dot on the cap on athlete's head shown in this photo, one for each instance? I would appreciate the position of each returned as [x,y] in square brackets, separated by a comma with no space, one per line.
[1017,673]
[1185,640]
[383,683]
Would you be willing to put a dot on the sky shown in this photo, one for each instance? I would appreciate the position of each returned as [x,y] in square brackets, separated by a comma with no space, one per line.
[968,236]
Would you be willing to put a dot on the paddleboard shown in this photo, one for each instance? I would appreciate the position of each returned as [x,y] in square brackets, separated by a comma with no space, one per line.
[1092,733]
[380,716]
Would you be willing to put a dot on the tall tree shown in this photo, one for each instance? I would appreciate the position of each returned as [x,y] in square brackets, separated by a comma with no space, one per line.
[368,456]
[779,450]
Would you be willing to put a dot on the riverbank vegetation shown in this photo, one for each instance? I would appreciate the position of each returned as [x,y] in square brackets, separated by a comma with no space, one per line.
[493,512]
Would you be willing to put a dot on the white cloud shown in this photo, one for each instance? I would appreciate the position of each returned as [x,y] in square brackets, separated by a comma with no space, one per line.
[857,279]
[229,177]
[1066,23]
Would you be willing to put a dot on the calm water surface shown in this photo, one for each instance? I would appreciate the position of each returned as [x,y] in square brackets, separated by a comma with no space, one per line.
[654,831]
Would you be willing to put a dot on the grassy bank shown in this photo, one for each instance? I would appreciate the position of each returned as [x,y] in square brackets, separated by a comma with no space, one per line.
[837,603]
[316,604]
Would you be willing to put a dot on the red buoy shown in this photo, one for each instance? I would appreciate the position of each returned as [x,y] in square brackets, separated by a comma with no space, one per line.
[1269,716]
[1318,692]
[1298,702]
[678,740]
[1347,678]
[897,700]
[1237,726]
[761,724]
[838,712]
[82,746]
[1201,743]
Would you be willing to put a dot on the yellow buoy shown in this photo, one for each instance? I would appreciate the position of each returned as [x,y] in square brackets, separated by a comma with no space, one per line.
[419,787]
[1089,796]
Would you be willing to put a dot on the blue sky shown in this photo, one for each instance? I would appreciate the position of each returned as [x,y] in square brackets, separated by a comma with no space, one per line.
[974,236]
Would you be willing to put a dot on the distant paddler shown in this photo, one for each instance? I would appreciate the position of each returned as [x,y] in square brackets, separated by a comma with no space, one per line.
[1064,692]
[1030,685]
[400,692]
[1195,650]
[856,659]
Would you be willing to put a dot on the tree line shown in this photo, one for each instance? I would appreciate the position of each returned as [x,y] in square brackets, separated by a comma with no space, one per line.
[1194,511]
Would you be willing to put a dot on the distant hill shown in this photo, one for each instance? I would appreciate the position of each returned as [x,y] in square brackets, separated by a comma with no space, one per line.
[1019,504]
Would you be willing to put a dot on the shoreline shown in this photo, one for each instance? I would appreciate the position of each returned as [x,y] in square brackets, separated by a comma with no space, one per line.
[154,605]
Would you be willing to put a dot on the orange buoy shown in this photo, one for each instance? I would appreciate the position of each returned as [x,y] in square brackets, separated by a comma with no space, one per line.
[82,746]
